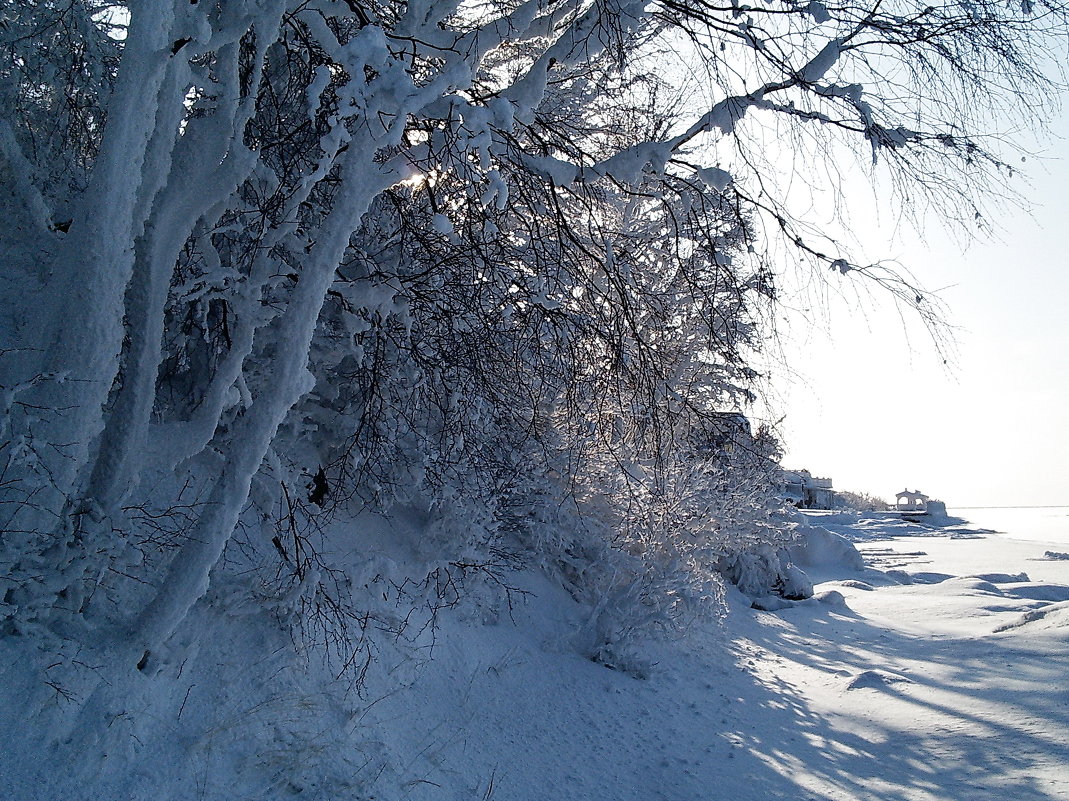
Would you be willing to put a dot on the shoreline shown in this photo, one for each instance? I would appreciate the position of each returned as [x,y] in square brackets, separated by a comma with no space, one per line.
[957,547]
[986,552]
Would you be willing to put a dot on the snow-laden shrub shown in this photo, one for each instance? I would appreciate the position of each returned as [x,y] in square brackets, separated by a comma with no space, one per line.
[625,598]
[860,501]
[646,546]
[766,570]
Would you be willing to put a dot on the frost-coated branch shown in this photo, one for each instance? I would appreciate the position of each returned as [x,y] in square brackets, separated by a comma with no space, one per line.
[187,578]
[203,169]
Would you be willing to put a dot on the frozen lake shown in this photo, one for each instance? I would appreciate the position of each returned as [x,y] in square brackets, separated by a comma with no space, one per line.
[1040,523]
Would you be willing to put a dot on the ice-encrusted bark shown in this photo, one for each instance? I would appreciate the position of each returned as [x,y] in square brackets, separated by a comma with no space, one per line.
[82,333]
[187,578]
[202,168]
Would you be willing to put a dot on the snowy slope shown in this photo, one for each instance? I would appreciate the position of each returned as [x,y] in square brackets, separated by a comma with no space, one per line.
[943,688]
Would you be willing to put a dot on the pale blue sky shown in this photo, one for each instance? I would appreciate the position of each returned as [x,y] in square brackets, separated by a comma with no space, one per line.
[872,405]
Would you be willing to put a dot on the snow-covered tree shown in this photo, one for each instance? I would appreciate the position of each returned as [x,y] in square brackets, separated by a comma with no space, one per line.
[366,251]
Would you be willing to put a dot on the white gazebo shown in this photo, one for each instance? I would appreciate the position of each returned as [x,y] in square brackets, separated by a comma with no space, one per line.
[911,501]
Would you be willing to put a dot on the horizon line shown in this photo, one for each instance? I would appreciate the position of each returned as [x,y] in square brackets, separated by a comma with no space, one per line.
[1015,506]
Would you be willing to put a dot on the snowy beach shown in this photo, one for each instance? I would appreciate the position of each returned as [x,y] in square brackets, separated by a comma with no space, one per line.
[948,681]
[936,671]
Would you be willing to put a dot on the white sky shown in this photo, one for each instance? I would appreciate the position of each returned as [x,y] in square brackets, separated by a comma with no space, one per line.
[872,405]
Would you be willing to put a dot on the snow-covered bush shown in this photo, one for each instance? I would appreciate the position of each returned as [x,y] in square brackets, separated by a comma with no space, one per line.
[766,570]
[860,501]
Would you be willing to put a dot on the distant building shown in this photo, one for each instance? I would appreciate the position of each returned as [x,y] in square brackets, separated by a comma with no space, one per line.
[803,490]
[911,501]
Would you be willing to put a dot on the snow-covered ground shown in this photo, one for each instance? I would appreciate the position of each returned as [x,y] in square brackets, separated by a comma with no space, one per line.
[935,670]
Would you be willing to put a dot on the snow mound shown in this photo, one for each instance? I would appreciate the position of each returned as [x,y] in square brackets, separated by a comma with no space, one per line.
[1002,578]
[929,577]
[937,515]
[770,603]
[1040,592]
[899,576]
[875,680]
[969,585]
[819,547]
[854,584]
[831,598]
[775,603]
[1047,618]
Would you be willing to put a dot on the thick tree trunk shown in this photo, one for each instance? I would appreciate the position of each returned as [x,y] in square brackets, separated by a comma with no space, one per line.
[81,347]
[208,164]
[187,578]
